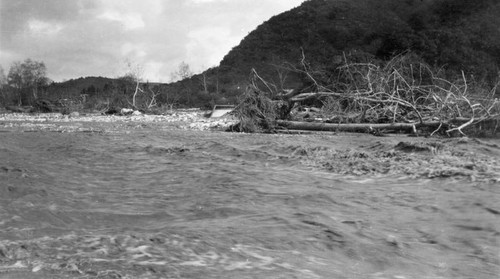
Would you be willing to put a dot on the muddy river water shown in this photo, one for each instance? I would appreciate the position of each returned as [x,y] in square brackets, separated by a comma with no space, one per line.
[152,202]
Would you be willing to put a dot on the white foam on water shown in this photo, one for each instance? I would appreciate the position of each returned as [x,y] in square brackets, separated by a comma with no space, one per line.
[239,265]
[194,263]
[37,268]
[139,252]
[16,265]
[161,263]
[259,261]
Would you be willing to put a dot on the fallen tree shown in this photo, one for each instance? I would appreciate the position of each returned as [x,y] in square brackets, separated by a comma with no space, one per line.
[402,95]
[355,127]
[377,128]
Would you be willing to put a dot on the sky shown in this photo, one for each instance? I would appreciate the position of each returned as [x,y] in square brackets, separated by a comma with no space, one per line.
[78,38]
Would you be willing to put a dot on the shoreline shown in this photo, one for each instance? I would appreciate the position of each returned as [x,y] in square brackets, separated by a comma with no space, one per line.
[188,119]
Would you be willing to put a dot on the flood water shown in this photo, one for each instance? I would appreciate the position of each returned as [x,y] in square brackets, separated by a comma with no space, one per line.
[184,204]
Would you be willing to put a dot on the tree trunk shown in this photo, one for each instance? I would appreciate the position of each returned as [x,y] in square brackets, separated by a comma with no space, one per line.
[20,94]
[354,127]
[135,94]
[35,92]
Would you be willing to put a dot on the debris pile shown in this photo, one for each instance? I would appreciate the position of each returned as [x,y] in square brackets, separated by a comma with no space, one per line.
[403,95]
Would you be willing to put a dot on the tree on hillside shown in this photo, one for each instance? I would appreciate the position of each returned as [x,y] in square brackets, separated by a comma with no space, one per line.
[3,82]
[182,94]
[183,72]
[134,72]
[27,76]
[3,78]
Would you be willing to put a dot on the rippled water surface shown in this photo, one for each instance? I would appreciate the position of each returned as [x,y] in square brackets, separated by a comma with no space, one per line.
[185,204]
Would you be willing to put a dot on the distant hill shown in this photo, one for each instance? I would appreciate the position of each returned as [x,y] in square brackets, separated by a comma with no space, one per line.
[90,86]
[452,35]
[97,92]
[82,85]
[456,35]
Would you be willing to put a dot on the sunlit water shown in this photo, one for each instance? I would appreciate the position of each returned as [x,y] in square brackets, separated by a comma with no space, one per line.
[184,204]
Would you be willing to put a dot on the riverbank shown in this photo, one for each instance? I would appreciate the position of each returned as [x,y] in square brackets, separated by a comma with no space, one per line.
[189,119]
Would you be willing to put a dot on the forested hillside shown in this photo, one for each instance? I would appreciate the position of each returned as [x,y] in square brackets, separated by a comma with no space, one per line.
[454,35]
[451,36]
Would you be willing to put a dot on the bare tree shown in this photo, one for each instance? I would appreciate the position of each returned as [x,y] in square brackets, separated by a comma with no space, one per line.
[134,75]
[145,95]
[203,81]
[29,74]
[183,72]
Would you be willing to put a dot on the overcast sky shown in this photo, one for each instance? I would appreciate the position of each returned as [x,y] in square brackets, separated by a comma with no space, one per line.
[96,37]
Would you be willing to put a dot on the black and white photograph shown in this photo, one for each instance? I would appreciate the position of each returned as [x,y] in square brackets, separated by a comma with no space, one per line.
[249,139]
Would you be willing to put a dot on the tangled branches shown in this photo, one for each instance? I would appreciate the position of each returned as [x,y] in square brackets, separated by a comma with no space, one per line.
[258,109]
[403,90]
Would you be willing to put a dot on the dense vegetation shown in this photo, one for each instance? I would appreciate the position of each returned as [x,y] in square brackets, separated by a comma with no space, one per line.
[319,36]
[454,34]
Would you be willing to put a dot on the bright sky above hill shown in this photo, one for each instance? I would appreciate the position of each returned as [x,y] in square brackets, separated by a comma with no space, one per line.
[97,37]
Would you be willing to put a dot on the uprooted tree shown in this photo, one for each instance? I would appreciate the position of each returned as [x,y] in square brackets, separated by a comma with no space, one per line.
[403,94]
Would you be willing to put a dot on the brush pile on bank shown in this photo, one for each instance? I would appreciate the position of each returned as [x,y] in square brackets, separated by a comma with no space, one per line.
[258,110]
[402,95]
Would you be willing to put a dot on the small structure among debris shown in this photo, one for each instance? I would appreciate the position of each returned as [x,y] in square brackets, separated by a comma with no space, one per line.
[221,110]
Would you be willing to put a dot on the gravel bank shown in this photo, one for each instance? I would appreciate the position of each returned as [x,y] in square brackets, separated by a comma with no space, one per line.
[95,122]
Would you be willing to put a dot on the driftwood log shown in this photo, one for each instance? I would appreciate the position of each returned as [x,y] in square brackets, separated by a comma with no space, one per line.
[356,127]
[452,125]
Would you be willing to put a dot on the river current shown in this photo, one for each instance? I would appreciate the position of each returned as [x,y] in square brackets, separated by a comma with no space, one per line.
[184,204]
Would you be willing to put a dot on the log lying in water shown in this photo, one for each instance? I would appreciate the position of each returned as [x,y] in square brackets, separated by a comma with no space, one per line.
[354,127]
